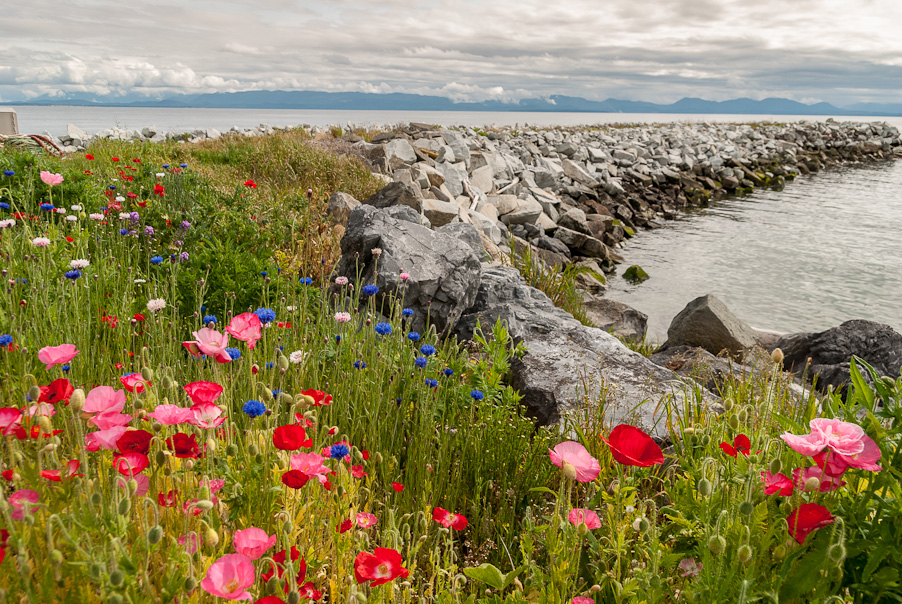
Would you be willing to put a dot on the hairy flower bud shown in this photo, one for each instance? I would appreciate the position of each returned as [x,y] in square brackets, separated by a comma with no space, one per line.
[734,422]
[116,578]
[273,585]
[837,553]
[746,508]
[252,450]
[155,535]
[211,538]
[204,504]
[125,506]
[779,552]
[727,404]
[232,450]
[288,527]
[283,362]
[34,393]
[56,557]
[582,529]
[704,487]
[744,554]
[717,544]
[569,470]
[294,597]
[147,373]
[190,584]
[266,394]
[777,356]
[775,466]
[812,484]
[77,400]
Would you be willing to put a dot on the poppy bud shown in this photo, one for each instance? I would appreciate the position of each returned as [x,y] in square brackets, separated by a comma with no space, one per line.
[812,484]
[294,597]
[259,458]
[252,450]
[283,362]
[266,394]
[734,422]
[595,588]
[116,578]
[746,508]
[168,383]
[744,415]
[255,369]
[211,444]
[190,584]
[643,523]
[273,585]
[211,538]
[34,393]
[569,470]
[96,570]
[704,487]
[44,422]
[204,504]
[582,529]
[146,373]
[307,399]
[96,499]
[125,506]
[717,544]
[115,599]
[779,552]
[775,466]
[777,356]
[836,553]
[77,400]
[204,493]
[361,597]
[287,398]
[727,404]
[56,557]
[288,527]
[378,457]
[689,431]
[232,450]
[744,554]
[155,535]
[706,440]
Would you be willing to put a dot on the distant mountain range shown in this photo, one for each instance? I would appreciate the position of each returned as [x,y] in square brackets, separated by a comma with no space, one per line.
[280,99]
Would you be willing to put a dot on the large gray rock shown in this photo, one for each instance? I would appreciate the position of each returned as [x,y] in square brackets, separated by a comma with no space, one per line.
[578,173]
[398,153]
[396,194]
[440,212]
[830,351]
[340,207]
[454,177]
[706,322]
[616,317]
[568,363]
[444,271]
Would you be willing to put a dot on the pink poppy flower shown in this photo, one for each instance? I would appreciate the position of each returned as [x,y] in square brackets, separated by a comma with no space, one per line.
[57,355]
[835,464]
[827,483]
[112,419]
[253,542]
[203,392]
[206,416]
[104,439]
[574,455]
[211,343]
[20,501]
[215,484]
[843,438]
[130,464]
[310,465]
[366,520]
[777,484]
[690,567]
[230,577]
[104,399]
[49,178]
[10,420]
[246,327]
[579,516]
[582,600]
[40,410]
[171,415]
[133,382]
[143,484]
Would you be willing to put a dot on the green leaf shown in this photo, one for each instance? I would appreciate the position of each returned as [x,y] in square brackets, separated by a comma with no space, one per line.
[806,573]
[544,490]
[874,561]
[509,577]
[487,574]
[862,389]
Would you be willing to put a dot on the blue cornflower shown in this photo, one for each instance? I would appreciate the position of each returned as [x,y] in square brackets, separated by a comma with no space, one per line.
[6,339]
[254,408]
[266,315]
[383,329]
[112,187]
[210,319]
[337,339]
[263,273]
[338,451]
[421,362]
[166,166]
[203,308]
[448,372]
[370,290]
[73,274]
[306,281]
[413,336]
[276,393]
[359,365]
[9,173]
[47,206]
[156,260]
[477,395]
[4,205]
[407,312]
[183,165]
[123,231]
[427,350]
[270,365]
[432,383]
[234,353]
[66,368]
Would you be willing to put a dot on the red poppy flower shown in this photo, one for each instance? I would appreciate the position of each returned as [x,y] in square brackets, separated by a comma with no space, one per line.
[380,567]
[320,398]
[135,441]
[118,365]
[294,479]
[397,486]
[250,183]
[131,195]
[142,204]
[806,518]
[448,520]
[184,446]
[741,444]
[159,189]
[136,160]
[130,464]
[58,391]
[344,526]
[169,499]
[69,239]
[357,472]
[4,536]
[285,324]
[139,317]
[57,475]
[114,159]
[114,205]
[203,392]
[89,173]
[270,599]
[8,474]
[88,156]
[291,438]
[631,446]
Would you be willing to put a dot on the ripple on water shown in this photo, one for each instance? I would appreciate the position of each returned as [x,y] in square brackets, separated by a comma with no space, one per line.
[826,249]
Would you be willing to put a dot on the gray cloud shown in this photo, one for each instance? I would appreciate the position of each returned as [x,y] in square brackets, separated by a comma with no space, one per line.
[840,51]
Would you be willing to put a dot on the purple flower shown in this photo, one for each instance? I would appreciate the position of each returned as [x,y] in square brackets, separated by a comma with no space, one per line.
[148,230]
[183,256]
[186,225]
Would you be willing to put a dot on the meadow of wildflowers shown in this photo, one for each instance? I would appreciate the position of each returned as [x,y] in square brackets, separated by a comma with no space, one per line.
[193,409]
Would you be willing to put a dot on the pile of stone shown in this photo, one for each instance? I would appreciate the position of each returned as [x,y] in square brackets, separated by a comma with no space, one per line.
[75,139]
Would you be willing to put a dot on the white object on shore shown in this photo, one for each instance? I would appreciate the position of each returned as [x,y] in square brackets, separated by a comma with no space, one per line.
[9,123]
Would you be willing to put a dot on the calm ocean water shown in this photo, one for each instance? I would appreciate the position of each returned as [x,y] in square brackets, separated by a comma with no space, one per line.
[824,250]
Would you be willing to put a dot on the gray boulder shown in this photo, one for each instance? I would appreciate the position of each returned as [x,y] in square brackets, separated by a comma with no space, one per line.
[444,271]
[394,194]
[616,317]
[398,153]
[706,322]
[830,351]
[568,363]
[340,207]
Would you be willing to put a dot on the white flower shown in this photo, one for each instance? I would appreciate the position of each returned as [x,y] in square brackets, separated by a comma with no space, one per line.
[139,281]
[95,216]
[41,241]
[124,215]
[342,317]
[629,509]
[341,280]
[120,198]
[156,304]
[76,208]
[297,356]
[291,308]
[5,224]
[80,263]
[61,210]
[161,174]
[71,218]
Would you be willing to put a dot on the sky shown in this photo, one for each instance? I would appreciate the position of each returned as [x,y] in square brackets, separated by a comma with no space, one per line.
[838,51]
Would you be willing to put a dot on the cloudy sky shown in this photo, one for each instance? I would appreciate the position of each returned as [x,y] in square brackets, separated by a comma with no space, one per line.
[839,51]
